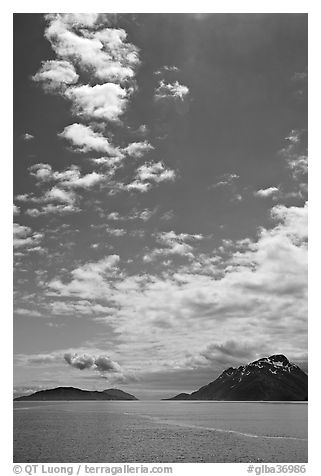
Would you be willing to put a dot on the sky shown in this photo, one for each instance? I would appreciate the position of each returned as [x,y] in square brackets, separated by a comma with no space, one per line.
[160,198]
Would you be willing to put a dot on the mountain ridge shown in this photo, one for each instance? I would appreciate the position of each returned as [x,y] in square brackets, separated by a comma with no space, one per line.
[74,394]
[271,378]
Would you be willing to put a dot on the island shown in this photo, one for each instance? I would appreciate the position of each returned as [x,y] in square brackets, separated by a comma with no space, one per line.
[71,393]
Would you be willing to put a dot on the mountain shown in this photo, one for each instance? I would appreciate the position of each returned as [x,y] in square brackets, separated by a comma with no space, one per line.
[71,393]
[180,396]
[272,378]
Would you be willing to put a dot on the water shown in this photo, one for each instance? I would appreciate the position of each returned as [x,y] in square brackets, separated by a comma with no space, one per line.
[148,431]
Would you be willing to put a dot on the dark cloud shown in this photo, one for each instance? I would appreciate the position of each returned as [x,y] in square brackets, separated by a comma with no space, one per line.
[229,351]
[80,362]
[105,364]
[102,363]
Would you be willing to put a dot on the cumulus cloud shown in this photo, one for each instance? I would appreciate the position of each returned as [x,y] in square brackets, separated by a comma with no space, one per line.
[27,137]
[85,139]
[147,174]
[227,183]
[52,208]
[58,195]
[174,90]
[104,52]
[88,280]
[260,287]
[69,178]
[135,214]
[293,222]
[295,153]
[226,180]
[155,172]
[102,101]
[16,210]
[105,364]
[61,197]
[80,362]
[138,149]
[41,171]
[101,363]
[138,186]
[267,192]
[87,46]
[166,69]
[115,231]
[173,244]
[55,75]
[23,236]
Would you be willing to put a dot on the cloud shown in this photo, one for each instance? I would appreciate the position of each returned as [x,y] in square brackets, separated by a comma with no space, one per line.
[88,280]
[27,312]
[69,178]
[58,195]
[27,137]
[267,192]
[23,236]
[300,76]
[102,52]
[52,208]
[43,359]
[81,307]
[138,186]
[167,216]
[84,139]
[60,198]
[173,244]
[38,359]
[147,174]
[166,69]
[86,46]
[116,231]
[166,91]
[259,288]
[101,363]
[41,171]
[80,362]
[135,214]
[155,172]
[115,216]
[138,149]
[230,353]
[16,210]
[293,222]
[226,180]
[228,184]
[103,101]
[300,81]
[105,364]
[295,154]
[55,75]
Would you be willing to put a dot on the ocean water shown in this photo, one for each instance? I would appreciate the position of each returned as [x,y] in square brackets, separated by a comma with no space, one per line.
[151,431]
